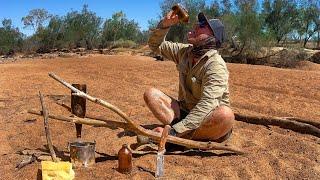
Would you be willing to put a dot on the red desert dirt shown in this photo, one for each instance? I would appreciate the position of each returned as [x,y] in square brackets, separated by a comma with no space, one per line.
[273,152]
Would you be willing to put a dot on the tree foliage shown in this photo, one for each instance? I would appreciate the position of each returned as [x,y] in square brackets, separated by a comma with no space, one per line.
[253,25]
[281,17]
[308,20]
[119,27]
[82,28]
[36,18]
[248,25]
[10,37]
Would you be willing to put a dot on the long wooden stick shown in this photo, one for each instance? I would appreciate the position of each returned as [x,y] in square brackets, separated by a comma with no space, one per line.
[151,134]
[88,121]
[274,121]
[281,122]
[46,128]
[154,135]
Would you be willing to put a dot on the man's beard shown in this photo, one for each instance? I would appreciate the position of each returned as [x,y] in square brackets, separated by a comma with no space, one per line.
[203,46]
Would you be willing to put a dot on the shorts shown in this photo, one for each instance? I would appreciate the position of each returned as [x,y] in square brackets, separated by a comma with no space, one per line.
[183,114]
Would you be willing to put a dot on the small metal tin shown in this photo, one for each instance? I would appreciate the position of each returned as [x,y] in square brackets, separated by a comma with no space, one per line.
[82,154]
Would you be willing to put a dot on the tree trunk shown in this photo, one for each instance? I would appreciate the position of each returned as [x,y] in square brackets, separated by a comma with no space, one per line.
[305,42]
[318,42]
[88,44]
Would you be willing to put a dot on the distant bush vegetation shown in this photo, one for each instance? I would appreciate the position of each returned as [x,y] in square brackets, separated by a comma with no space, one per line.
[250,27]
[74,30]
[122,44]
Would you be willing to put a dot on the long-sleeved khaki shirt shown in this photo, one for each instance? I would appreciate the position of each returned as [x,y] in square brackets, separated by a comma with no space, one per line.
[202,87]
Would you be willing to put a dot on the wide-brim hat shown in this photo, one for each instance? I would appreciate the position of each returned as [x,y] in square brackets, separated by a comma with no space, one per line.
[215,24]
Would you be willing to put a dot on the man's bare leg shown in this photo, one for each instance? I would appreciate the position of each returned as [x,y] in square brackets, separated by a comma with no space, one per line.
[216,125]
[161,105]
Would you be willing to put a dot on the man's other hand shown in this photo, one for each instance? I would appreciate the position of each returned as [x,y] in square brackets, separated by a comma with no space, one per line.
[172,132]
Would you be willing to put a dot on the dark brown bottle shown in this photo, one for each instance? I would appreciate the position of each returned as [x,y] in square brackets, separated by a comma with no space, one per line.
[125,160]
[182,13]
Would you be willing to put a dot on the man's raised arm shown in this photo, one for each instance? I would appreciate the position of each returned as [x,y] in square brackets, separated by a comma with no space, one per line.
[157,43]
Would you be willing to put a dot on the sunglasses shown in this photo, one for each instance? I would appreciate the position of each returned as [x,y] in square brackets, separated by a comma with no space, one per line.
[202,20]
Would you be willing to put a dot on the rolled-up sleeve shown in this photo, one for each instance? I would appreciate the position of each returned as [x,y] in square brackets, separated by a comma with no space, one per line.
[215,83]
[169,50]
[157,37]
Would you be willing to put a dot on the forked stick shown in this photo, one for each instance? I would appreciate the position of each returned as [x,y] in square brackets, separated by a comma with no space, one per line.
[151,134]
[46,128]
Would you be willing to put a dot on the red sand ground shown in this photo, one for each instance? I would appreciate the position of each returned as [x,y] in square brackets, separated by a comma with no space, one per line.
[274,153]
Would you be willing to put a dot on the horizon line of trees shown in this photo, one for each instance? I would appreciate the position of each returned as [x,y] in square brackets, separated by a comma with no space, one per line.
[253,25]
[74,30]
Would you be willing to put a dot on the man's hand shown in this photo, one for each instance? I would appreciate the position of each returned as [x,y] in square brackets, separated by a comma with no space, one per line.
[170,19]
[160,129]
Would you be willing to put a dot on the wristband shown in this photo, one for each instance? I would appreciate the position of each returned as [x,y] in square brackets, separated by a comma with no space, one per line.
[173,132]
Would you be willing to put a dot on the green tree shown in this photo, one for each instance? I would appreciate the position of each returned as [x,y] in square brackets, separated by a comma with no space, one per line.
[226,7]
[248,26]
[11,38]
[308,20]
[82,28]
[36,18]
[280,17]
[213,10]
[52,36]
[120,28]
[152,23]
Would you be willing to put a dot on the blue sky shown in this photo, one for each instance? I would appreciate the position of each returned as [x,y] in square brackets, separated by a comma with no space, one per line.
[139,10]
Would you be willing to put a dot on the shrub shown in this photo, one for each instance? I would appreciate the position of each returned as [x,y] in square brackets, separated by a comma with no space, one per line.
[122,44]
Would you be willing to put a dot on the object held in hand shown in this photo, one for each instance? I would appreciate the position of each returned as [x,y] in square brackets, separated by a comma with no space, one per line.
[182,13]
[161,151]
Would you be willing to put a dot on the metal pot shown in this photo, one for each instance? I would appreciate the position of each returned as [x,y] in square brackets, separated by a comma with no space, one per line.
[82,153]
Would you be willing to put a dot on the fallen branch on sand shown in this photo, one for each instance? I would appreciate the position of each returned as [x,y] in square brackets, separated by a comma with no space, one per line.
[288,123]
[47,130]
[140,130]
[31,156]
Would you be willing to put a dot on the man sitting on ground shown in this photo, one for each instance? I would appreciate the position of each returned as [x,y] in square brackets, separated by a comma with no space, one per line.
[202,111]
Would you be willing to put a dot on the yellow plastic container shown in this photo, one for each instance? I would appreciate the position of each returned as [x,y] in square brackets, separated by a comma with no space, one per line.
[57,170]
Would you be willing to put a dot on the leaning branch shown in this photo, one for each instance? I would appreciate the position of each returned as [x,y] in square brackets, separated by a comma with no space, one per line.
[140,130]
[46,128]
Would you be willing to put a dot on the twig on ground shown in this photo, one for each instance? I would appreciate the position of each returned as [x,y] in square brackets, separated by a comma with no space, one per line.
[31,156]
[301,127]
[27,160]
